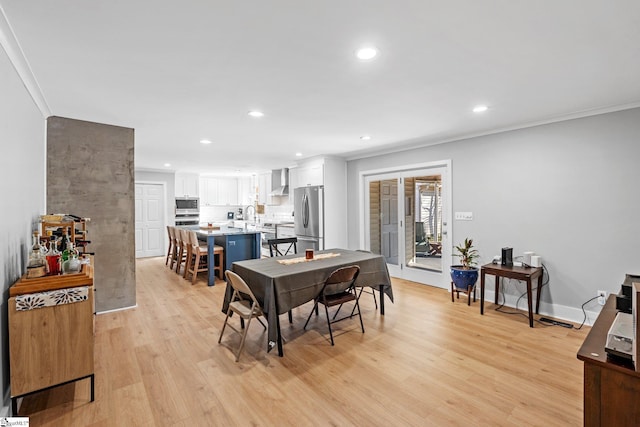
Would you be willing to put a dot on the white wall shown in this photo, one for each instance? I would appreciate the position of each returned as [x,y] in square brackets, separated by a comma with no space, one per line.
[566,191]
[168,178]
[22,185]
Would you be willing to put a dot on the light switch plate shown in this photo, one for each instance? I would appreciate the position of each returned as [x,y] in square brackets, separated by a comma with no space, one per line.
[464,216]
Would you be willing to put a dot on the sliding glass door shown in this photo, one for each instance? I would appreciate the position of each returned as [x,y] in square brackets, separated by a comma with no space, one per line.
[406,221]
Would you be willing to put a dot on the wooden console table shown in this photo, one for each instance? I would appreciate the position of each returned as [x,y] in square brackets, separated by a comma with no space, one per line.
[611,386]
[526,274]
[51,336]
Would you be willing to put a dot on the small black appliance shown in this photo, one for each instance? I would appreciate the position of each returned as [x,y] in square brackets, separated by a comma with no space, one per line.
[507,257]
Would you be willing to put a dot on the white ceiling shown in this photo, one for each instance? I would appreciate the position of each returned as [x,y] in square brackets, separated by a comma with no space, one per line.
[178,72]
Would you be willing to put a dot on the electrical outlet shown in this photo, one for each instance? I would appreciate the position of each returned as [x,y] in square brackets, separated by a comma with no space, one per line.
[602,297]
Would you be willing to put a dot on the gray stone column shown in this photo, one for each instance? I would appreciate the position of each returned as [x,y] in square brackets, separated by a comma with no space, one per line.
[90,173]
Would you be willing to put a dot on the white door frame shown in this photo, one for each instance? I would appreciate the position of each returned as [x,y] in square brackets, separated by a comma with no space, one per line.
[165,238]
[439,279]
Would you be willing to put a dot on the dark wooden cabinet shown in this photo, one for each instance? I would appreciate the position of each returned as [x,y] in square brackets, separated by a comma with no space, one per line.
[611,387]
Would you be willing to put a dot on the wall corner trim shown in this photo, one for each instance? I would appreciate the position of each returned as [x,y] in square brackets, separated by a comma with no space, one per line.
[19,61]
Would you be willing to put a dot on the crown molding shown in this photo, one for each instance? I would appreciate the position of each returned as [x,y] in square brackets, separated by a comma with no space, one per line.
[10,44]
[422,142]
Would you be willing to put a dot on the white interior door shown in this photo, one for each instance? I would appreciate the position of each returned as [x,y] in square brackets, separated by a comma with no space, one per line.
[150,224]
[393,229]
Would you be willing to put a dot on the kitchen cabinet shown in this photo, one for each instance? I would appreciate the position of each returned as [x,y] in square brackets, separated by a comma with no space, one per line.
[264,188]
[219,191]
[246,191]
[209,192]
[228,191]
[186,185]
[239,247]
[293,183]
[312,174]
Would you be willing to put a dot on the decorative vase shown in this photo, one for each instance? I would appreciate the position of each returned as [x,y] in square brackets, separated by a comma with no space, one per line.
[463,278]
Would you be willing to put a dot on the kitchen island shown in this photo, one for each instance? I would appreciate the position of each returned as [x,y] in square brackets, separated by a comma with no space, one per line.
[238,244]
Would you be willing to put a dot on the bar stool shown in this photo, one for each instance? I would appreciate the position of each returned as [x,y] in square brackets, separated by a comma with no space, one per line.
[174,246]
[198,257]
[198,260]
[171,247]
[182,248]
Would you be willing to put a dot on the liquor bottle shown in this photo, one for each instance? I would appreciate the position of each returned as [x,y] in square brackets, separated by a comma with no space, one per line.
[53,258]
[65,245]
[70,263]
[35,257]
[37,265]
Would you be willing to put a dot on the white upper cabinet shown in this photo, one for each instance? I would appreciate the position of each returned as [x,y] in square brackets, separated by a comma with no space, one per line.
[209,191]
[311,174]
[219,191]
[186,185]
[246,191]
[264,188]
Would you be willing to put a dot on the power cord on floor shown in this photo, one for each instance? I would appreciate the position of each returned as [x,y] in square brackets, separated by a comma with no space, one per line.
[543,320]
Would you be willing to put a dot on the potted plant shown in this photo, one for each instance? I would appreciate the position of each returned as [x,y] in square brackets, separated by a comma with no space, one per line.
[464,276]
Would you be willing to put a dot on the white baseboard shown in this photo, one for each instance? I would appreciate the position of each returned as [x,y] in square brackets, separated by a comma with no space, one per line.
[557,311]
[117,309]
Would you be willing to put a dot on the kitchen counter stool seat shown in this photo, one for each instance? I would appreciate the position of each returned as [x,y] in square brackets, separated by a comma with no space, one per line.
[172,254]
[171,247]
[183,249]
[197,260]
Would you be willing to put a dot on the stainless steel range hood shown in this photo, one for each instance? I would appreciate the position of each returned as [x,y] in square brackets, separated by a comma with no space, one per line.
[280,182]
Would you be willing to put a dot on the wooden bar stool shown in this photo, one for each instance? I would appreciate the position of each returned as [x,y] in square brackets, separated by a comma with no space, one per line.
[197,260]
[219,252]
[182,248]
[173,257]
[171,247]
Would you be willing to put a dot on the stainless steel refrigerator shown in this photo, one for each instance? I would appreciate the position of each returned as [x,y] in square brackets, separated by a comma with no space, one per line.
[308,214]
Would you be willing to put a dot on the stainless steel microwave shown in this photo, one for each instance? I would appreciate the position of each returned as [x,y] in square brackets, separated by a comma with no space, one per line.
[187,205]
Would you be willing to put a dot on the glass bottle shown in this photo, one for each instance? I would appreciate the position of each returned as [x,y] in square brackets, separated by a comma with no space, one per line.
[65,245]
[71,263]
[53,258]
[36,265]
[36,259]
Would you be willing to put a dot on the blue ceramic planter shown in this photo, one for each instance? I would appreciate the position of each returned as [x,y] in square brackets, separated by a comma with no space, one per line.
[462,278]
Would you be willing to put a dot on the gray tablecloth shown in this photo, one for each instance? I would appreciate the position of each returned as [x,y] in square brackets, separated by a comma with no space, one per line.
[279,287]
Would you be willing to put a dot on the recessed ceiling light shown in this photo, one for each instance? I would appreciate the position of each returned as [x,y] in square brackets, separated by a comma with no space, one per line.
[480,108]
[298,154]
[365,137]
[205,141]
[366,53]
[256,113]
[166,165]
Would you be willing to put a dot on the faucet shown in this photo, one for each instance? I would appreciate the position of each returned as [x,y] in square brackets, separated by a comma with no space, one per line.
[253,212]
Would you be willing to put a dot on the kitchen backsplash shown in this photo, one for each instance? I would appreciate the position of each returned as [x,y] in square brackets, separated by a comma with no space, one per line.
[280,212]
[271,212]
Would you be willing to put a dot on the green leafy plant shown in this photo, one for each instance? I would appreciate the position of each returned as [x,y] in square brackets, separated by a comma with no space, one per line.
[467,254]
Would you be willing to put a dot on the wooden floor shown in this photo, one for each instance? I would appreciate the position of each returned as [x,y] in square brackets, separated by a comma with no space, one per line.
[428,361]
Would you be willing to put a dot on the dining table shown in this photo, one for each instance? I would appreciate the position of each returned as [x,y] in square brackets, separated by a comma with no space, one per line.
[283,283]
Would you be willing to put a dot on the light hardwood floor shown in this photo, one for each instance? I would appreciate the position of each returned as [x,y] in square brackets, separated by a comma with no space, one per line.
[428,361]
